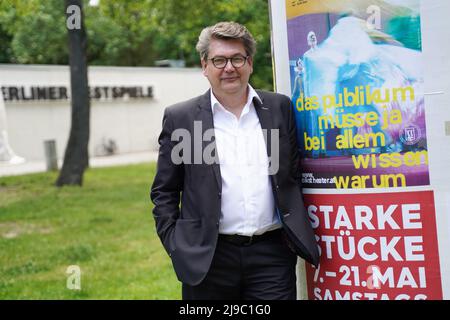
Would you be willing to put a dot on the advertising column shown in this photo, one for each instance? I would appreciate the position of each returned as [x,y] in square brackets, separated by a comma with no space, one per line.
[355,71]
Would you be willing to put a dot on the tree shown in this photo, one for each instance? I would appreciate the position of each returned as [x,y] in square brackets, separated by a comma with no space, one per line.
[76,158]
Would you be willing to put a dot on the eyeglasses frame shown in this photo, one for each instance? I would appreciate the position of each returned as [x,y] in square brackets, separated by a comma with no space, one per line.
[230,60]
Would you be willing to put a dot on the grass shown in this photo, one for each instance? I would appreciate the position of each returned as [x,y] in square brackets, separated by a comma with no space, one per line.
[106,228]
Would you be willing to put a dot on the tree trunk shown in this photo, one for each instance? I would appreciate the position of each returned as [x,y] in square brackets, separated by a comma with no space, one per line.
[76,158]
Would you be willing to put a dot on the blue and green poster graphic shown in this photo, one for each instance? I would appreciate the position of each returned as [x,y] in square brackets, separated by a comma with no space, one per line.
[358,92]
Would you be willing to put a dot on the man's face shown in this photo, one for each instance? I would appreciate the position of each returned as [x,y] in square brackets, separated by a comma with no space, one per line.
[229,80]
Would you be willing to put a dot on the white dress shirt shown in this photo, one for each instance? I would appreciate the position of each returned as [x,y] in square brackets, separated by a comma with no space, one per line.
[248,207]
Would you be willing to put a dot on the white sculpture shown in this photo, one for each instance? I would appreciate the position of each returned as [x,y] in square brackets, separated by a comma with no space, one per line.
[7,155]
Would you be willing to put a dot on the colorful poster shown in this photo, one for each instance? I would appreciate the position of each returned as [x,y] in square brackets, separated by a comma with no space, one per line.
[357,86]
[375,246]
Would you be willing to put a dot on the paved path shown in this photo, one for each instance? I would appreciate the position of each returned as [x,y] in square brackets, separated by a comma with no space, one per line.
[108,161]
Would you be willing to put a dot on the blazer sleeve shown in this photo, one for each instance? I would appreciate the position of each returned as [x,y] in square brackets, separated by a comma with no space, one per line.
[167,186]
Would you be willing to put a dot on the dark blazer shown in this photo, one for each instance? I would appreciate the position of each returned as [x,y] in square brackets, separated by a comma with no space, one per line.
[189,230]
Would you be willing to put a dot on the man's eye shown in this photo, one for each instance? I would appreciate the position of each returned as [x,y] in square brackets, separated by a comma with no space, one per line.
[219,61]
[238,59]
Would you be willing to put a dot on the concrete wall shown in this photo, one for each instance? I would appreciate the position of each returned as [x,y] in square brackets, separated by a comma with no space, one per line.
[436,70]
[134,124]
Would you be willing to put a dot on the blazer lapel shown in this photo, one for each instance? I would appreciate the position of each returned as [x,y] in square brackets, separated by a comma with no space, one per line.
[265,116]
[206,117]
[264,113]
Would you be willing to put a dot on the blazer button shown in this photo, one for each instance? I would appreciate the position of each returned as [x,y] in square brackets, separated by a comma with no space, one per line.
[217,224]
[219,195]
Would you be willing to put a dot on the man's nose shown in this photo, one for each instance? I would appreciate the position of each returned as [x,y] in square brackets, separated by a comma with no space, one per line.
[229,66]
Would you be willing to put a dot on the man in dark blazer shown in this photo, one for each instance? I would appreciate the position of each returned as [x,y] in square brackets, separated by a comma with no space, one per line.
[232,226]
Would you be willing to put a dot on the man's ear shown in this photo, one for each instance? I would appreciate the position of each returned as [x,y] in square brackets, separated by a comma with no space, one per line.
[204,65]
[250,63]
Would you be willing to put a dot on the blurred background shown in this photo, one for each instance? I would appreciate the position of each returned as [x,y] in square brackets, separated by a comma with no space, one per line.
[80,112]
[129,32]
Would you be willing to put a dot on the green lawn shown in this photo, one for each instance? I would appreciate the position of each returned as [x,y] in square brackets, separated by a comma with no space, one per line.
[105,227]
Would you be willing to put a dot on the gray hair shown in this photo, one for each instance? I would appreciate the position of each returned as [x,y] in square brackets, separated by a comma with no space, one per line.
[225,31]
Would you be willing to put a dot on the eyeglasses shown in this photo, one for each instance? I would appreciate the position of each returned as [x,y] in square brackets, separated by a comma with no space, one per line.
[236,61]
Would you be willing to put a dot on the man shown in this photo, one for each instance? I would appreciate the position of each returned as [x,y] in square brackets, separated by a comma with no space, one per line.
[240,219]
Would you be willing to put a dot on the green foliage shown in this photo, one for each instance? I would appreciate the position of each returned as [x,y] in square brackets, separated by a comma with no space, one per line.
[36,30]
[129,32]
[5,45]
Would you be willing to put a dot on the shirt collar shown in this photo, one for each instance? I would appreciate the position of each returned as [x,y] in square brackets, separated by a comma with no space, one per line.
[251,95]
